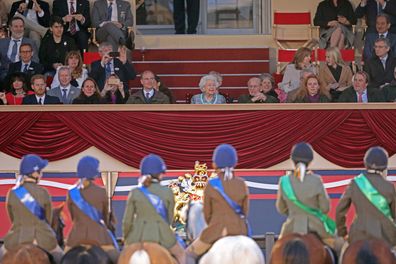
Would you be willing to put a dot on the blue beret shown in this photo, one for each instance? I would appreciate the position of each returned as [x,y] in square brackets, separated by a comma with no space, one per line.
[224,156]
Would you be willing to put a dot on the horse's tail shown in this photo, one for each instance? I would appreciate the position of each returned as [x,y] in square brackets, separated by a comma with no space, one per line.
[140,257]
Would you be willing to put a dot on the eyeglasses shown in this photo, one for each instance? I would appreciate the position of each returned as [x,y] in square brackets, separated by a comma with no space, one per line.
[25,51]
[379,47]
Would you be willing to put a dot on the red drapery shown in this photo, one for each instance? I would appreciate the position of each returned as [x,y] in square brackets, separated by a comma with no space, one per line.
[262,138]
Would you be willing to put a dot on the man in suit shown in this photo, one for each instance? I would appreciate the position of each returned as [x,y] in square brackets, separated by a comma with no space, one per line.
[65,91]
[148,94]
[370,222]
[370,9]
[77,19]
[26,65]
[36,15]
[382,25]
[360,92]
[9,47]
[179,15]
[380,67]
[107,65]
[111,18]
[28,227]
[39,97]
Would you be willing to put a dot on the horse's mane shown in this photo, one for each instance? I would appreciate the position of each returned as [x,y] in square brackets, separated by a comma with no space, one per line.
[369,251]
[27,253]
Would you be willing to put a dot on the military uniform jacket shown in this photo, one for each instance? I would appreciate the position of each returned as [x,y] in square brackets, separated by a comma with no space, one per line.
[369,222]
[84,228]
[141,221]
[26,227]
[310,192]
[220,217]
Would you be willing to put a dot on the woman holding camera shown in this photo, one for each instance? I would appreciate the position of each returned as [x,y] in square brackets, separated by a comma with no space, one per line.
[113,92]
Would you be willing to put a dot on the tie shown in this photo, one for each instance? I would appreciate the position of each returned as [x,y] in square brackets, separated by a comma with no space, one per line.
[25,68]
[14,51]
[148,96]
[72,25]
[64,97]
[382,36]
[108,69]
[109,11]
[360,98]
[40,102]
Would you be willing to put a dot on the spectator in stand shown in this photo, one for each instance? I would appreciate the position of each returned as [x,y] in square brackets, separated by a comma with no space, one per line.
[179,15]
[382,25]
[335,19]
[208,85]
[303,75]
[218,77]
[380,67]
[65,91]
[76,17]
[39,97]
[55,46]
[111,18]
[389,90]
[18,89]
[113,91]
[370,9]
[78,72]
[3,100]
[148,94]
[291,77]
[160,86]
[26,65]
[334,75]
[311,92]
[89,94]
[112,62]
[268,85]
[256,94]
[36,15]
[360,92]
[9,47]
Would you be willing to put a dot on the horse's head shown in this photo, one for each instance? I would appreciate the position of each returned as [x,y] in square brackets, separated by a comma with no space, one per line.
[27,253]
[369,251]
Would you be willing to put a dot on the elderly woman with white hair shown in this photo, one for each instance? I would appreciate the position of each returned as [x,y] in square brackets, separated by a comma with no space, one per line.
[208,85]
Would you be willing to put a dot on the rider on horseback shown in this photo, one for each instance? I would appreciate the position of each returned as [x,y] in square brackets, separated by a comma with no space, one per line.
[374,199]
[30,210]
[88,206]
[149,209]
[226,203]
[303,198]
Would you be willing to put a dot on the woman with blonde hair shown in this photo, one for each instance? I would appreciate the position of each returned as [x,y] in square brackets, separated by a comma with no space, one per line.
[334,74]
[79,73]
[291,77]
[311,91]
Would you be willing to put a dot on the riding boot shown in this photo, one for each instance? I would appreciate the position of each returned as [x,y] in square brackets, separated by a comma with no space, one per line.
[178,252]
[3,250]
[191,258]
[57,253]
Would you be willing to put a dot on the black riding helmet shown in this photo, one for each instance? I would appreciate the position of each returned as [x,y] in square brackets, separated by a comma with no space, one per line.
[376,158]
[302,152]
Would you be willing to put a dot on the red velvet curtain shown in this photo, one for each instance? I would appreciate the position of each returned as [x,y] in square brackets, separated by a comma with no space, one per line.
[262,138]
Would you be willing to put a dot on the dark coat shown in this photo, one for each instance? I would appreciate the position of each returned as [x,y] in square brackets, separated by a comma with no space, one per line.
[389,92]
[60,8]
[369,222]
[44,21]
[139,98]
[369,44]
[82,99]
[370,12]
[349,95]
[31,100]
[377,74]
[247,99]
[326,12]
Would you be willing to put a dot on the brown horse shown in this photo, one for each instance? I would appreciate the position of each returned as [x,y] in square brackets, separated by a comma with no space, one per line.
[372,251]
[151,252]
[27,253]
[309,245]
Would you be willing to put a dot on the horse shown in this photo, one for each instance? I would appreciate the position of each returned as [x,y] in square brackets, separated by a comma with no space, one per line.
[145,253]
[317,252]
[229,249]
[27,253]
[373,251]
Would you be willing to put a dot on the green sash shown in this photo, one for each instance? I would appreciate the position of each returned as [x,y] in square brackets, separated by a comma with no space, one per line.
[287,189]
[372,194]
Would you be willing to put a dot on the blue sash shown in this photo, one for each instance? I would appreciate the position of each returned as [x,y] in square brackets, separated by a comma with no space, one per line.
[160,208]
[216,184]
[29,202]
[90,211]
